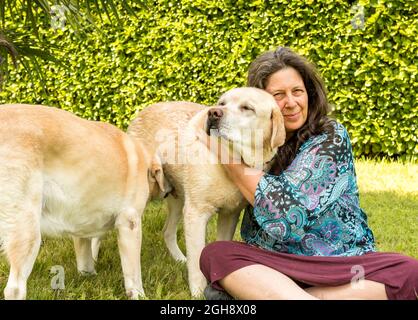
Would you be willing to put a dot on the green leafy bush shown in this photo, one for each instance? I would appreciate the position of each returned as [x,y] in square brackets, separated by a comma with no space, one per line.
[197,49]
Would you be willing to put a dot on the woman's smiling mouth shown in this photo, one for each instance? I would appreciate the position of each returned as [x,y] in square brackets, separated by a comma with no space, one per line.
[293,116]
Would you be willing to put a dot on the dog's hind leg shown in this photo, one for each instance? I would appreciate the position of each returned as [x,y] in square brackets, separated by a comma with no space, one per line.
[195,222]
[84,256]
[20,215]
[175,208]
[21,243]
[226,224]
[21,248]
[129,241]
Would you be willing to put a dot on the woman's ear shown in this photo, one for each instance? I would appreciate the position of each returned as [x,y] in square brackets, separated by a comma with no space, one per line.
[278,132]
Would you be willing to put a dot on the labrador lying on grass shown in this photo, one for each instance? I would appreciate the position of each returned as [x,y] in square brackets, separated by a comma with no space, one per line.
[60,174]
[201,186]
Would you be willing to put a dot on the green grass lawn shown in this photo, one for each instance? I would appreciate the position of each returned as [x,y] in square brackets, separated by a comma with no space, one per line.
[388,194]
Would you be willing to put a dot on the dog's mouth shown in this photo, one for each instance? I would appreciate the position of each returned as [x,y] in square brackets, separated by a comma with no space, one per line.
[216,131]
[212,127]
[213,121]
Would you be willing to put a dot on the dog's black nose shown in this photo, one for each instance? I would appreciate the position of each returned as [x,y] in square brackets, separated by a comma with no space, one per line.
[214,118]
[215,114]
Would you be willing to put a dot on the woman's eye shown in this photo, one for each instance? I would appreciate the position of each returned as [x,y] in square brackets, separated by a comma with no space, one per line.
[279,95]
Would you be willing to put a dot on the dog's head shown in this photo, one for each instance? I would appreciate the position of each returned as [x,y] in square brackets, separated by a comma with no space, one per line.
[250,119]
[159,186]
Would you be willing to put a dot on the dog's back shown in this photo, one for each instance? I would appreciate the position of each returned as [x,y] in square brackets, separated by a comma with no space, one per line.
[162,120]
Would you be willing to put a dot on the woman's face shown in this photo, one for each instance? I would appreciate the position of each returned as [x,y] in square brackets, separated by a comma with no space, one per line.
[287,87]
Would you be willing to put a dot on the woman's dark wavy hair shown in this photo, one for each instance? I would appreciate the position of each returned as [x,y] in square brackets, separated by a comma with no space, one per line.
[318,108]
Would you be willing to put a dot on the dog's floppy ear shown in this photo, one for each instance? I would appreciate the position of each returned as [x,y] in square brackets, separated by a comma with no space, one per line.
[278,133]
[156,172]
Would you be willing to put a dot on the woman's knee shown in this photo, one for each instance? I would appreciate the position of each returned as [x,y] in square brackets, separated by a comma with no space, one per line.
[219,251]
[411,266]
[408,272]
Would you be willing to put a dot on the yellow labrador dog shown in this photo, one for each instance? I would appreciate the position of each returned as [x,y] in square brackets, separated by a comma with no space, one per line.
[247,119]
[60,174]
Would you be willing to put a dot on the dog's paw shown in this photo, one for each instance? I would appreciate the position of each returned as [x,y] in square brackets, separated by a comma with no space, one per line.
[134,294]
[14,293]
[196,291]
[180,258]
[197,285]
[88,273]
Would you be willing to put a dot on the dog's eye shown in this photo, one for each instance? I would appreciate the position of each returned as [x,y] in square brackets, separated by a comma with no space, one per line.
[221,103]
[246,108]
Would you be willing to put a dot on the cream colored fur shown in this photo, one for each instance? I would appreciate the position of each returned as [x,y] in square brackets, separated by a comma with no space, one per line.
[201,185]
[63,175]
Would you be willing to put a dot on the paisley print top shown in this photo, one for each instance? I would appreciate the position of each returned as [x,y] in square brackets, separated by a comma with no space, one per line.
[311,208]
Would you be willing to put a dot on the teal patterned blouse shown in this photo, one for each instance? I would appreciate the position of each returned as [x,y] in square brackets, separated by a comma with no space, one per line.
[311,208]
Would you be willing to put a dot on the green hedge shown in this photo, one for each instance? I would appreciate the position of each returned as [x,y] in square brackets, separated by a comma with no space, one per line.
[197,49]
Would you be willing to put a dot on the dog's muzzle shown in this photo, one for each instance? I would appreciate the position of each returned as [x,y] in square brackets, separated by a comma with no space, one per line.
[214,118]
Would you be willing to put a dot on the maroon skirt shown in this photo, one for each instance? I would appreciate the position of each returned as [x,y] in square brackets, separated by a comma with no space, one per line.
[397,272]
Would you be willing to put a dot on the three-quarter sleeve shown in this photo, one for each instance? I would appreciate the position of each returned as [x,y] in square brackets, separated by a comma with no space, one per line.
[312,206]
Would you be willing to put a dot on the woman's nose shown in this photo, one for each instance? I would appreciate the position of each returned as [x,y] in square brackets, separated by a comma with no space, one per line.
[290,101]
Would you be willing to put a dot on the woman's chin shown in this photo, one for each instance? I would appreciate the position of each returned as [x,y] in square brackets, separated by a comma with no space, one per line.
[292,127]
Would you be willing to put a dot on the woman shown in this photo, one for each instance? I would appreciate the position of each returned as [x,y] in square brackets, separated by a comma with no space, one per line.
[305,235]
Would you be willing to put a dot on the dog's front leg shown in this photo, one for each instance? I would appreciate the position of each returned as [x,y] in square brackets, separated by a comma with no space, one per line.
[84,257]
[129,242]
[227,223]
[95,247]
[195,221]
